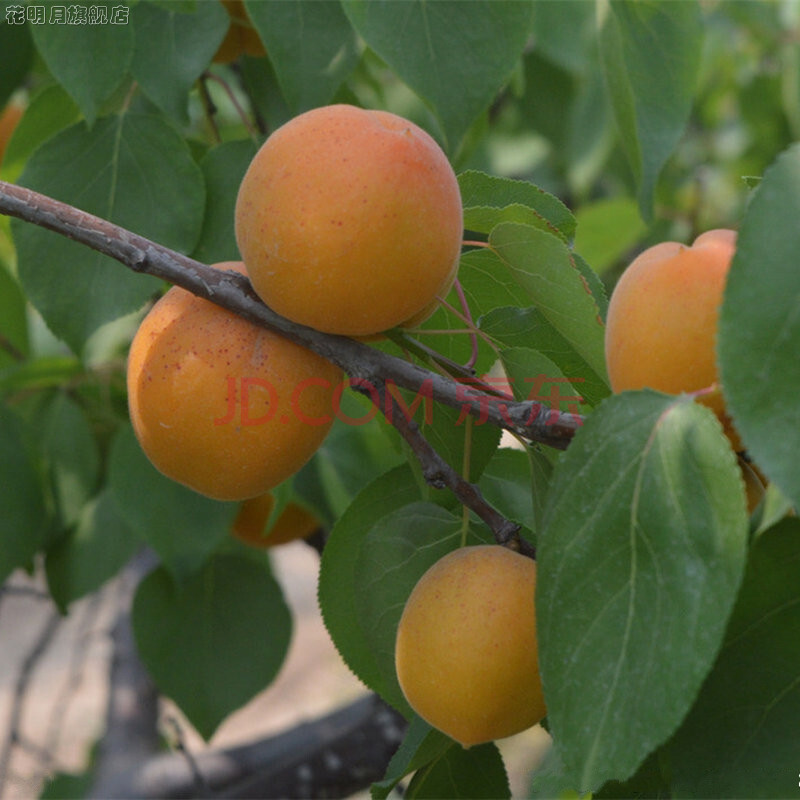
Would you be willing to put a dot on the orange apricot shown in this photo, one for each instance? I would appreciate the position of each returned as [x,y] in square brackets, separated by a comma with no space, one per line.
[661,325]
[294,522]
[220,404]
[241,38]
[350,220]
[466,652]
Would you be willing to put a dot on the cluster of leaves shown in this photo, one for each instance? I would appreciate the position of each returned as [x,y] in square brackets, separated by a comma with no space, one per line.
[669,622]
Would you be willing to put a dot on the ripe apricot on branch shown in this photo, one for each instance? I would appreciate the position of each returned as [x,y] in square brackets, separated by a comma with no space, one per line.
[221,405]
[349,220]
[661,325]
[294,522]
[466,653]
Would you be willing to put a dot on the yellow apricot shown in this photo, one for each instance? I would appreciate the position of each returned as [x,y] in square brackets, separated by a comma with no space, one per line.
[294,522]
[349,220]
[241,38]
[220,404]
[466,653]
[662,317]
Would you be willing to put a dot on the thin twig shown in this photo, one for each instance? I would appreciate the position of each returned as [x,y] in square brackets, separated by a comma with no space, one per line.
[236,104]
[201,787]
[10,348]
[440,475]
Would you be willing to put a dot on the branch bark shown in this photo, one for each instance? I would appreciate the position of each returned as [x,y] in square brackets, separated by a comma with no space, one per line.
[333,756]
[529,420]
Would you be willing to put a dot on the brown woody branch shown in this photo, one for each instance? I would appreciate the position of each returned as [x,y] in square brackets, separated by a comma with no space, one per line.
[366,366]
[532,421]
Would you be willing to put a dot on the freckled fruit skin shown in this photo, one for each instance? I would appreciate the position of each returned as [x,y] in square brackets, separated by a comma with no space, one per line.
[661,325]
[349,220]
[294,522]
[466,653]
[191,364]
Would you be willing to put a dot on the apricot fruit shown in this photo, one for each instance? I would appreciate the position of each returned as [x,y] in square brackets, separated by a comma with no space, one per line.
[350,221]
[241,38]
[294,522]
[466,653]
[220,404]
[661,325]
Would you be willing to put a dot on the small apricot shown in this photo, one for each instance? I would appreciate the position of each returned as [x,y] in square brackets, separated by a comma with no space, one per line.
[466,653]
[294,522]
[661,325]
[221,405]
[350,221]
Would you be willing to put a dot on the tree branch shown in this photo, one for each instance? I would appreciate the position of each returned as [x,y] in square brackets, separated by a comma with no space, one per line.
[529,420]
[334,756]
[439,474]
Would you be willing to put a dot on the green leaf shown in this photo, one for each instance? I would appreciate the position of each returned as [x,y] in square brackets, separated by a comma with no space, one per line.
[435,47]
[535,377]
[759,328]
[528,327]
[88,60]
[173,49]
[651,53]
[40,373]
[740,739]
[183,527]
[356,449]
[17,50]
[550,780]
[13,320]
[22,523]
[489,200]
[457,436]
[543,268]
[391,558]
[646,533]
[311,46]
[475,773]
[607,230]
[70,454]
[94,552]
[421,745]
[49,112]
[223,168]
[215,641]
[506,484]
[338,579]
[488,283]
[133,170]
[563,32]
[67,786]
